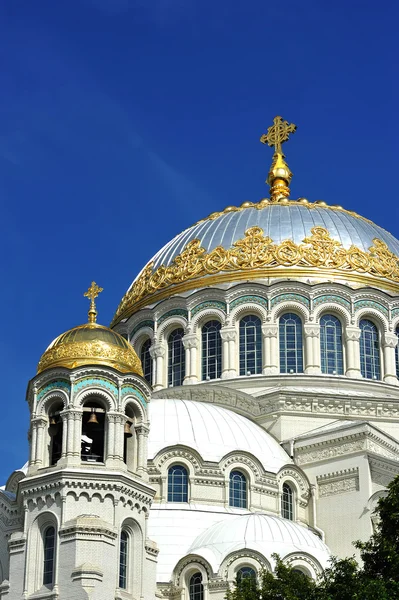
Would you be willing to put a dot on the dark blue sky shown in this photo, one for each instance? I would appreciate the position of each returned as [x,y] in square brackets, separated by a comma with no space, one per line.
[124,121]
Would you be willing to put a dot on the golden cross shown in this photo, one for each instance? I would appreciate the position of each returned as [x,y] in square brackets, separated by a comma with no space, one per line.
[92,294]
[278,133]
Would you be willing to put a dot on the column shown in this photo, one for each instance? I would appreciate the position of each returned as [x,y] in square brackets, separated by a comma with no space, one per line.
[142,440]
[110,453]
[157,351]
[270,349]
[64,419]
[191,342]
[119,439]
[76,435]
[312,349]
[229,352]
[352,337]
[41,423]
[33,446]
[389,343]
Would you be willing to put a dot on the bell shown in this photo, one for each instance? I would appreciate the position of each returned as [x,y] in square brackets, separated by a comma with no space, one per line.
[53,428]
[127,430]
[93,419]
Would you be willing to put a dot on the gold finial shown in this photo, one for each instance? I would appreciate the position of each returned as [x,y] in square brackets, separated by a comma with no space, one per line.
[279,175]
[92,294]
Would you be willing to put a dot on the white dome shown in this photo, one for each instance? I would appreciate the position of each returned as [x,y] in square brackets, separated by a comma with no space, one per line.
[212,431]
[262,533]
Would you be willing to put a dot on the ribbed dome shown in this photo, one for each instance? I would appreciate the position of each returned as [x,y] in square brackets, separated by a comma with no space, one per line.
[262,533]
[91,344]
[212,431]
[266,240]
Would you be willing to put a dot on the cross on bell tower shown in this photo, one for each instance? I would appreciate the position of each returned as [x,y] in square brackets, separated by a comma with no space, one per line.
[279,175]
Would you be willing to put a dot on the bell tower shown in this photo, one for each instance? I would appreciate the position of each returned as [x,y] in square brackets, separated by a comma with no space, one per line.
[86,496]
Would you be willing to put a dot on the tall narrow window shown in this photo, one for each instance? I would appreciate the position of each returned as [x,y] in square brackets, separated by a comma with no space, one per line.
[369,350]
[291,350]
[211,350]
[196,589]
[123,552]
[238,490]
[93,433]
[287,502]
[49,555]
[397,352]
[177,484]
[250,345]
[146,360]
[332,361]
[176,358]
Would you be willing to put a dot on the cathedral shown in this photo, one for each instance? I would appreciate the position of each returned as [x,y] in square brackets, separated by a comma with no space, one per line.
[243,402]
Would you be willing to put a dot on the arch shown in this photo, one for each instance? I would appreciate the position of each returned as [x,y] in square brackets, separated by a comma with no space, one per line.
[238,494]
[250,345]
[176,358]
[211,350]
[177,483]
[291,343]
[249,308]
[373,315]
[169,325]
[56,395]
[246,573]
[335,309]
[93,429]
[287,501]
[331,346]
[129,556]
[140,336]
[289,307]
[134,418]
[42,537]
[98,394]
[209,314]
[370,360]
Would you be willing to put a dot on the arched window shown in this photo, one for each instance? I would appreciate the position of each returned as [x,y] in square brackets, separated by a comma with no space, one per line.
[123,558]
[176,358]
[177,484]
[93,433]
[211,350]
[287,502]
[250,345]
[238,490]
[291,351]
[246,573]
[397,353]
[146,360]
[49,555]
[332,360]
[55,431]
[369,350]
[196,589]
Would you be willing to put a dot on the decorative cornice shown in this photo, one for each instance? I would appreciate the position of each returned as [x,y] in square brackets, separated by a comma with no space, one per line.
[256,256]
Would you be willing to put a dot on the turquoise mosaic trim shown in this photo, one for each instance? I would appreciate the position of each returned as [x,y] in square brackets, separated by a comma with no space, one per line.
[249,299]
[210,304]
[141,325]
[394,312]
[285,297]
[371,304]
[175,312]
[333,299]
[88,381]
[128,389]
[63,385]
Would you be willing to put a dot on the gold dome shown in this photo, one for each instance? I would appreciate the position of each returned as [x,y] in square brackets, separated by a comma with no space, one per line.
[91,344]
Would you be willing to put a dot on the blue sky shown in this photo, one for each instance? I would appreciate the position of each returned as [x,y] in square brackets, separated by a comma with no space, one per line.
[122,122]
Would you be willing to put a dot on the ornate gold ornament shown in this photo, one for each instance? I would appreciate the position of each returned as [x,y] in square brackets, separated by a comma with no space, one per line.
[279,175]
[91,344]
[257,256]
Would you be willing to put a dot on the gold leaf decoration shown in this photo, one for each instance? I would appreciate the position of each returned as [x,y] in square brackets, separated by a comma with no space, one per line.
[256,251]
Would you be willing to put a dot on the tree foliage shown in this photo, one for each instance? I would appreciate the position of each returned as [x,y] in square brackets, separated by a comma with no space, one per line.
[344,579]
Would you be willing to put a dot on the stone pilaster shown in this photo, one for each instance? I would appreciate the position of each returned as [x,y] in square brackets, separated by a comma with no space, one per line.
[352,337]
[389,343]
[270,349]
[191,343]
[157,352]
[312,349]
[229,352]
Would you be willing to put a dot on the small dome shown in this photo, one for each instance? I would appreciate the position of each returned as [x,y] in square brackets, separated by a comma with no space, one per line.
[212,431]
[91,344]
[262,533]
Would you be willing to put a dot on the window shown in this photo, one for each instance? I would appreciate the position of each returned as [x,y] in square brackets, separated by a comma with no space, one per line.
[332,361]
[196,589]
[177,484]
[238,490]
[93,433]
[397,353]
[176,358]
[49,555]
[55,432]
[123,550]
[291,352]
[369,350]
[146,360]
[211,350]
[287,502]
[250,345]
[247,573]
